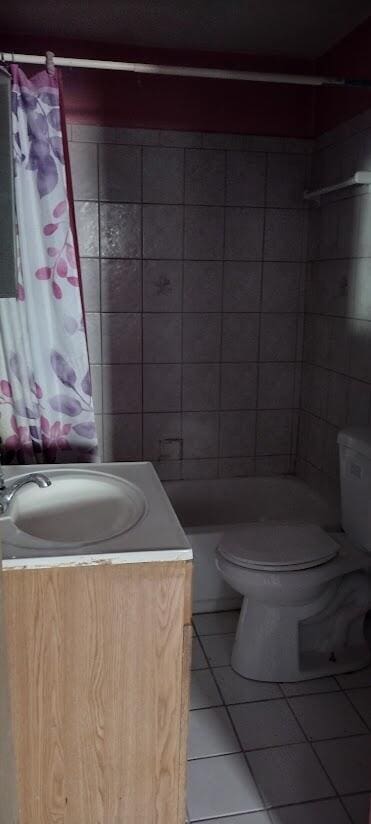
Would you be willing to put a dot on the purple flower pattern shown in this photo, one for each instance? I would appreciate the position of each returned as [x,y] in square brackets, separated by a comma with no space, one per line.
[46,408]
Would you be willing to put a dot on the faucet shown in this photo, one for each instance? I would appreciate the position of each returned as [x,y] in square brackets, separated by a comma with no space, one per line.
[7,491]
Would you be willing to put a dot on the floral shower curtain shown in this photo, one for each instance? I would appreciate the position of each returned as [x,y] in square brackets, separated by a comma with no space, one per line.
[46,409]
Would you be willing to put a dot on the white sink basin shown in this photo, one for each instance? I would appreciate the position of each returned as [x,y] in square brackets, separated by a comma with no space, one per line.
[80,507]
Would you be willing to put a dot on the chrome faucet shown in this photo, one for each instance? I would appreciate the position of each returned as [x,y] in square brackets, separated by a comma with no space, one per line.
[8,490]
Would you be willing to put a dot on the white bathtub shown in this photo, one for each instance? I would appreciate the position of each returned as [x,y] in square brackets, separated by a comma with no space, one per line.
[206,509]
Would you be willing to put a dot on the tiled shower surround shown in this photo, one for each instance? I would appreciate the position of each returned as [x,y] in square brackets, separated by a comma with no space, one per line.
[193,250]
[336,388]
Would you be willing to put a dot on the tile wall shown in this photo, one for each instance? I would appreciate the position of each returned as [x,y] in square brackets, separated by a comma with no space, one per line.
[336,388]
[192,249]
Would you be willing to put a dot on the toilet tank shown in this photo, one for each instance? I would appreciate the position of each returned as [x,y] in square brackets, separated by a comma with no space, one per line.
[355,484]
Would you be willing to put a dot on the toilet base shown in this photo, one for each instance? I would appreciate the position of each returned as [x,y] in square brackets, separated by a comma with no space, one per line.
[300,642]
[312,665]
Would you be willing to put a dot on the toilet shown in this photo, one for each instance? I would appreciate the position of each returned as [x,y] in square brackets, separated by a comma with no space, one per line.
[305,591]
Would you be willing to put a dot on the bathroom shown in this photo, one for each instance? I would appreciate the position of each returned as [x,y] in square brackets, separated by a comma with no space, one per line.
[228,325]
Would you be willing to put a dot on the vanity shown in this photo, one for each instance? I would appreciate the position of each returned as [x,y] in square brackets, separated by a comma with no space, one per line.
[97,606]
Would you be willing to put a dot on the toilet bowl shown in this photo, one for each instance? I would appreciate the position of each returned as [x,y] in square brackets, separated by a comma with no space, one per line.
[305,592]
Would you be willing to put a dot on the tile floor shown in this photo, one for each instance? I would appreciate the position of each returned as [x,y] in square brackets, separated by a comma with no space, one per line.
[264,753]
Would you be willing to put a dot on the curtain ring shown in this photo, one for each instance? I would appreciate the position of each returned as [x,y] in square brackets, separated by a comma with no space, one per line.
[50,67]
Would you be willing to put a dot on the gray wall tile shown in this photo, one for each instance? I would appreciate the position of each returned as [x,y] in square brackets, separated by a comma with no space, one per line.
[237,434]
[163,173]
[359,336]
[203,233]
[201,337]
[222,276]
[162,232]
[93,332]
[121,285]
[242,286]
[139,137]
[245,179]
[175,138]
[315,390]
[269,465]
[161,387]
[357,296]
[87,228]
[316,340]
[342,335]
[278,337]
[236,467]
[240,337]
[120,230]
[200,469]
[84,170]
[96,381]
[218,140]
[120,173]
[200,387]
[99,428]
[91,133]
[337,399]
[243,233]
[202,286]
[162,335]
[122,337]
[239,386]
[90,284]
[273,436]
[284,234]
[358,403]
[286,180]
[200,434]
[162,285]
[162,436]
[204,177]
[168,470]
[281,284]
[276,385]
[122,388]
[122,436]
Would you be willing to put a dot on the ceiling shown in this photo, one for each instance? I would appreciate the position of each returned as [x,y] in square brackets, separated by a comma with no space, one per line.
[296,28]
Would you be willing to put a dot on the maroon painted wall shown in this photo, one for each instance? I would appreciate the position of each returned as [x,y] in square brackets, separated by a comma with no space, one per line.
[351,57]
[110,98]
[193,104]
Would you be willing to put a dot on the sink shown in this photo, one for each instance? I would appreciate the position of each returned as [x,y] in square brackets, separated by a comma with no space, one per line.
[80,507]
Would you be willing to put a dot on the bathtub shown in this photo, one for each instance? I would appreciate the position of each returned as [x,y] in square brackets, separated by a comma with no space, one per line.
[206,509]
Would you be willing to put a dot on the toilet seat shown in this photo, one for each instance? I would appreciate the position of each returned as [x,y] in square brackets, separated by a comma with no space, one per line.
[278,547]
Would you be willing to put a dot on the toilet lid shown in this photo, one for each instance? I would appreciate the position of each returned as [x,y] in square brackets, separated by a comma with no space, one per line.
[278,546]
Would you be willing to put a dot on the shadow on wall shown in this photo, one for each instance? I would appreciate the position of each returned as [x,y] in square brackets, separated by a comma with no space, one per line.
[193,250]
[336,389]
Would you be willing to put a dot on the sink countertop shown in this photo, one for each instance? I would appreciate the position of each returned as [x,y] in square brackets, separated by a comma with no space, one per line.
[158,536]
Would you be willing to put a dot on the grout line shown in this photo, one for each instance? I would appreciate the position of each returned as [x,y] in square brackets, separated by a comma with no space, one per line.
[234,728]
[103,445]
[260,310]
[195,205]
[311,744]
[221,336]
[142,296]
[355,708]
[182,319]
[337,795]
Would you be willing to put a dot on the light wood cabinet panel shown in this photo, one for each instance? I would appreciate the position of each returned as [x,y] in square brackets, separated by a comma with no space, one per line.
[184,720]
[8,799]
[98,667]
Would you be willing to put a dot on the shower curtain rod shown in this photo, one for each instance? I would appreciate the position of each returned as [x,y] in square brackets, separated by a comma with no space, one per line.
[183,71]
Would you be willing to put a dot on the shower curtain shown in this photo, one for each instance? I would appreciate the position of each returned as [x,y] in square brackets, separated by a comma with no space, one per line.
[46,408]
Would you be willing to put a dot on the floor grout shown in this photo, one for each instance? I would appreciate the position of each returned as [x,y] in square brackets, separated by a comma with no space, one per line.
[336,690]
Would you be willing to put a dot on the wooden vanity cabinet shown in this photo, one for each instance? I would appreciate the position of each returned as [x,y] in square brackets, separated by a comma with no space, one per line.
[99,661]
